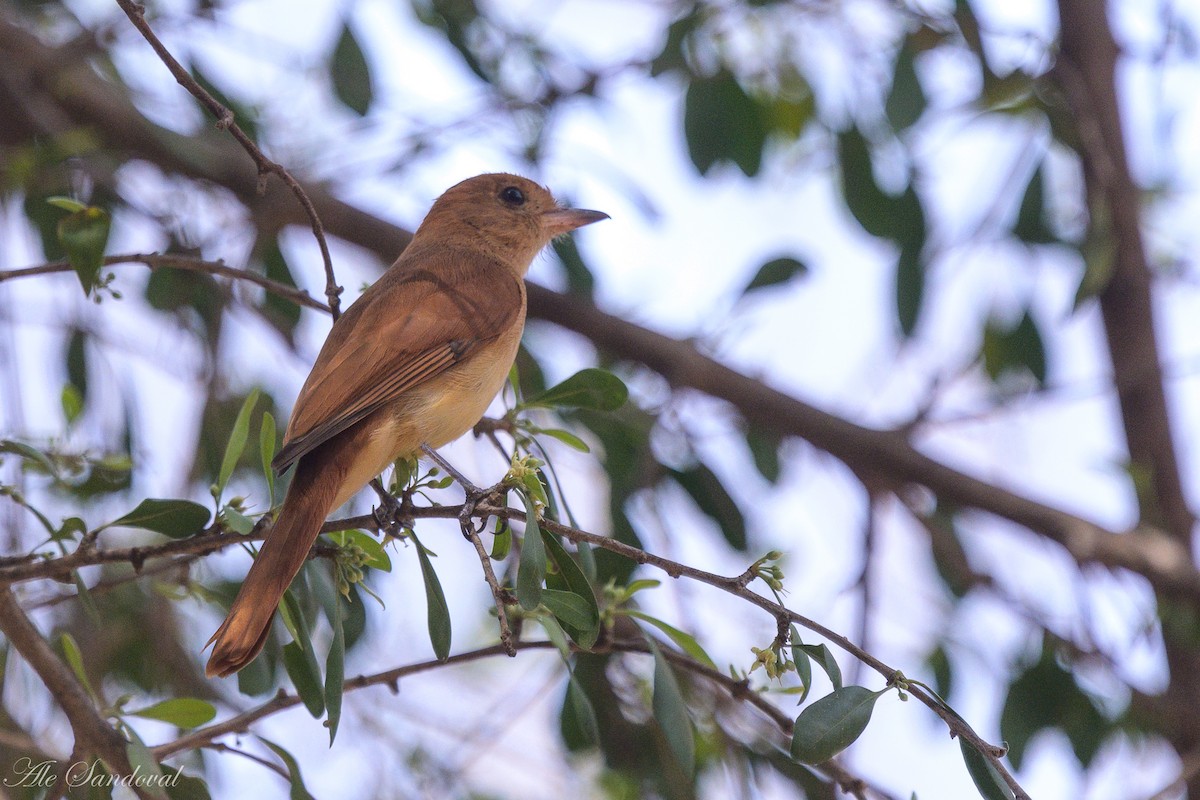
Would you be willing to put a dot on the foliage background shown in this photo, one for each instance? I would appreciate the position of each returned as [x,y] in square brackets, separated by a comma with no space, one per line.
[957,250]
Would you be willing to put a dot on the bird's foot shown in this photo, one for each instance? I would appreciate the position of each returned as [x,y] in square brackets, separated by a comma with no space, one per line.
[392,514]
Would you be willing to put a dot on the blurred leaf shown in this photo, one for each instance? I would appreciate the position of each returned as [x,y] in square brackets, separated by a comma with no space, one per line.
[298,791]
[437,612]
[685,641]
[764,447]
[987,780]
[938,662]
[571,610]
[350,73]
[187,787]
[177,519]
[589,388]
[501,542]
[910,288]
[29,453]
[183,712]
[711,497]
[672,56]
[282,312]
[1046,696]
[1031,225]
[722,123]
[175,290]
[77,372]
[531,568]
[832,724]
[1019,349]
[1099,252]
[75,662]
[84,235]
[144,766]
[580,280]
[72,403]
[671,713]
[774,272]
[266,450]
[237,442]
[869,204]
[242,114]
[906,101]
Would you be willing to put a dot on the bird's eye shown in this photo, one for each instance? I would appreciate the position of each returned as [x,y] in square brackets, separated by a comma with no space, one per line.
[512,196]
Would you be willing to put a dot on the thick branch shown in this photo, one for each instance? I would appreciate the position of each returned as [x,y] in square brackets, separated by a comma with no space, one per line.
[93,735]
[1086,72]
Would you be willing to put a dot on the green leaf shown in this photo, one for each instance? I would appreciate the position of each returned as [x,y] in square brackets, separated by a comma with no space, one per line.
[236,521]
[266,448]
[335,664]
[177,519]
[869,204]
[282,312]
[350,73]
[301,666]
[906,101]
[987,780]
[775,272]
[438,613]
[1015,350]
[586,629]
[566,437]
[723,123]
[711,497]
[821,654]
[578,714]
[831,724]
[591,388]
[1031,225]
[501,541]
[804,665]
[298,791]
[571,610]
[531,568]
[237,441]
[685,641]
[671,714]
[83,235]
[183,712]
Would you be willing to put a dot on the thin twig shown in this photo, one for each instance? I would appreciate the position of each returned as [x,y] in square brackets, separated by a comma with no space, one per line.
[225,120]
[178,261]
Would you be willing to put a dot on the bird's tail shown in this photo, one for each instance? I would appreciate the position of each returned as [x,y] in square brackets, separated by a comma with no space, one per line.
[244,631]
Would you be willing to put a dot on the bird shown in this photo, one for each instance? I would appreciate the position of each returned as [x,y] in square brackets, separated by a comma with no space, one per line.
[413,363]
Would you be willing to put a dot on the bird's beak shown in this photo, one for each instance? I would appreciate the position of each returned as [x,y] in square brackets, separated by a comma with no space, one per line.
[562,220]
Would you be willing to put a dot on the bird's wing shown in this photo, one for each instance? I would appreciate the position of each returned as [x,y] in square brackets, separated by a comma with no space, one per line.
[414,323]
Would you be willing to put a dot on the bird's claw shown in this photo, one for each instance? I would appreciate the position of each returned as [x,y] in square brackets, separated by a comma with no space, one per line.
[474,497]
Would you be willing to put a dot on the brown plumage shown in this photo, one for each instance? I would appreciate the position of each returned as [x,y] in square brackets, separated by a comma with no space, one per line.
[415,361]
